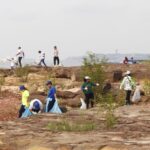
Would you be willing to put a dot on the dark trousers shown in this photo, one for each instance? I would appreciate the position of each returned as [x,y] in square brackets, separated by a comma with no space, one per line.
[42,62]
[36,110]
[21,111]
[89,99]
[128,96]
[51,104]
[56,60]
[20,61]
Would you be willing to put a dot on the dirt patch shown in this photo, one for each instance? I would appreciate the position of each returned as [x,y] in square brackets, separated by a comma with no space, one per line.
[9,107]
[130,133]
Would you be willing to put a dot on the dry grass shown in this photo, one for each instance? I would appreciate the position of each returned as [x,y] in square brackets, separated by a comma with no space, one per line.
[70,126]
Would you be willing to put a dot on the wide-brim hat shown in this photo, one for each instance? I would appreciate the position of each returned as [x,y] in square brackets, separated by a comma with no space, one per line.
[127,72]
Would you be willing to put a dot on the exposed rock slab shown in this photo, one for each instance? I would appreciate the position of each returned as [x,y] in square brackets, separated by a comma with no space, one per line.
[131,133]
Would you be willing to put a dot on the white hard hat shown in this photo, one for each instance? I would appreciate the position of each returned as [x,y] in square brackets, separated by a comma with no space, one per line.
[87,78]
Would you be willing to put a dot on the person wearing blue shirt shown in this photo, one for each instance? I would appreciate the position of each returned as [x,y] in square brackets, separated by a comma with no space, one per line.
[51,92]
[51,96]
[51,101]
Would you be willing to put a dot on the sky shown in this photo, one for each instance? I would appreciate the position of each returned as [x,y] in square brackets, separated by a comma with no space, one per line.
[75,26]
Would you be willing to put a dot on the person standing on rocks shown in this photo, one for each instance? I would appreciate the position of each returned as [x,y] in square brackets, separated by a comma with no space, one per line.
[128,85]
[25,97]
[20,54]
[42,58]
[51,102]
[87,89]
[56,56]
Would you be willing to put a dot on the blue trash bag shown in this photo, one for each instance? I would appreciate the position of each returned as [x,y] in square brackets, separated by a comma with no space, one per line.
[27,113]
[55,108]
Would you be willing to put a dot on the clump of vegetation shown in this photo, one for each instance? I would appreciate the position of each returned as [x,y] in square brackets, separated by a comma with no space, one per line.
[2,80]
[22,72]
[147,87]
[108,103]
[119,98]
[111,120]
[93,67]
[70,126]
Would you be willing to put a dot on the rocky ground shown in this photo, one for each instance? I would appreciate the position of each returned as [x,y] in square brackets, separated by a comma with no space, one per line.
[131,131]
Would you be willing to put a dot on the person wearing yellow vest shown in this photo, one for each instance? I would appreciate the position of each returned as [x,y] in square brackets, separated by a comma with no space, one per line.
[24,102]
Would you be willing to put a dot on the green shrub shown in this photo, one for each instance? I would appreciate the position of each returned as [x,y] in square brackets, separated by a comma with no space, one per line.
[111,120]
[108,103]
[93,67]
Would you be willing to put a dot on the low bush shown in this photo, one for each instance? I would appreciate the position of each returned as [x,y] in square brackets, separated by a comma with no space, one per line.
[2,80]
[70,126]
[93,67]
[147,87]
[108,103]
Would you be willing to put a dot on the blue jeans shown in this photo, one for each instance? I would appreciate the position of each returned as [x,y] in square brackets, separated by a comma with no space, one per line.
[42,62]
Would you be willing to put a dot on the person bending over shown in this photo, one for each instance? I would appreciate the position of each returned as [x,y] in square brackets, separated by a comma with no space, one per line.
[36,106]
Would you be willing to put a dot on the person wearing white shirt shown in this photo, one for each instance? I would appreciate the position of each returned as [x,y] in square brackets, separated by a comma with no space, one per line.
[56,56]
[36,106]
[128,86]
[12,63]
[42,58]
[20,55]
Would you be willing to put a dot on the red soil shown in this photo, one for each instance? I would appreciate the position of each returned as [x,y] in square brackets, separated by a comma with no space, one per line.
[9,106]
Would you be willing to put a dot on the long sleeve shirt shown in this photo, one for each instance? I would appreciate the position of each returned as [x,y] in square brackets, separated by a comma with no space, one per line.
[127,83]
[87,87]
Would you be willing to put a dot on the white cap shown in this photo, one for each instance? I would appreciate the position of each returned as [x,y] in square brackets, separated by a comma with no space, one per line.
[127,73]
[87,78]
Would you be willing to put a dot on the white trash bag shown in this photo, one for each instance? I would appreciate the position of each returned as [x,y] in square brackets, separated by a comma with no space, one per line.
[83,104]
[137,95]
